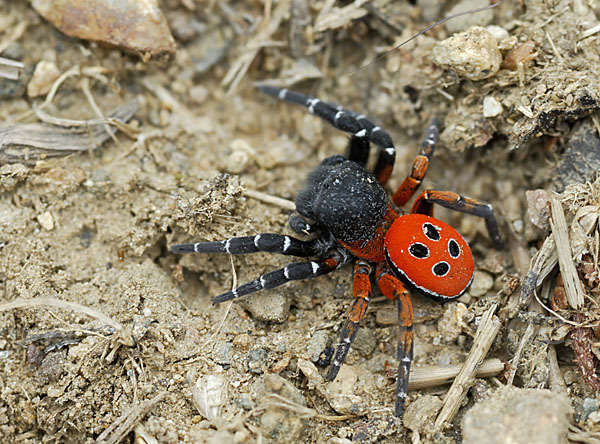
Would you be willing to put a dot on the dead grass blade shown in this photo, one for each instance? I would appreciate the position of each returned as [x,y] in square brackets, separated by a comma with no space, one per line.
[29,142]
[10,69]
[125,336]
[119,429]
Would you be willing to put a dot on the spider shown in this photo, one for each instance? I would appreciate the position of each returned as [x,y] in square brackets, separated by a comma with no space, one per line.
[348,218]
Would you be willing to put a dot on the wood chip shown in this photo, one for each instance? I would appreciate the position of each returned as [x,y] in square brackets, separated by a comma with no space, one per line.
[542,264]
[558,223]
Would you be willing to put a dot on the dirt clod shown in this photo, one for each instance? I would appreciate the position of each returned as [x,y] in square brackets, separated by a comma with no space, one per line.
[519,416]
[472,54]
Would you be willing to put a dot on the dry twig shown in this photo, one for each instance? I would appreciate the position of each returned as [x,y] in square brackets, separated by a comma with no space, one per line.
[555,378]
[578,435]
[10,69]
[125,335]
[268,198]
[486,333]
[529,332]
[127,421]
[436,375]
[270,24]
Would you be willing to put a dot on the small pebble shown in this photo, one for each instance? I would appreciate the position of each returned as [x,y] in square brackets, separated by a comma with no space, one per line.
[341,395]
[279,424]
[240,157]
[451,323]
[270,307]
[538,208]
[242,341]
[43,77]
[420,414]
[317,344]
[245,403]
[13,50]
[491,107]
[588,406]
[482,283]
[498,32]
[198,94]
[473,54]
[46,221]
[223,354]
[256,360]
[365,342]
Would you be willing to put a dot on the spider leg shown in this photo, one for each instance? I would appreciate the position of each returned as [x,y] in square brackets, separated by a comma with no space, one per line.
[447,199]
[359,126]
[291,272]
[300,225]
[407,188]
[267,242]
[393,289]
[361,290]
[359,146]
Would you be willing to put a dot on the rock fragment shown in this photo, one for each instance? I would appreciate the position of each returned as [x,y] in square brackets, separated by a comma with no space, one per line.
[472,54]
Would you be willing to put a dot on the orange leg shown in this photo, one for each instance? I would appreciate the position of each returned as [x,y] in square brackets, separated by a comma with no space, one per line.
[407,189]
[393,289]
[361,290]
[447,199]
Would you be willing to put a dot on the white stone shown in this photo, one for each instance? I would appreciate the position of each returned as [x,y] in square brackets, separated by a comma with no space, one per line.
[43,77]
[498,32]
[46,220]
[491,107]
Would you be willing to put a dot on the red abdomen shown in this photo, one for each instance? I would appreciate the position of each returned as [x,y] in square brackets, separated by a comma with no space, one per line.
[429,255]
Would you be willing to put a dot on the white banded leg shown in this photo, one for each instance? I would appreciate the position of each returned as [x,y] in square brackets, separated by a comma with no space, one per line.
[359,126]
[291,272]
[267,242]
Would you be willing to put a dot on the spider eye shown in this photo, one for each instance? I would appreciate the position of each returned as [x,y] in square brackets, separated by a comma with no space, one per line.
[431,231]
[419,250]
[453,248]
[441,269]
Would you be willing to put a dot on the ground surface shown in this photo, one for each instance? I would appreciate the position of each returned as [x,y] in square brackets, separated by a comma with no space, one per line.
[94,228]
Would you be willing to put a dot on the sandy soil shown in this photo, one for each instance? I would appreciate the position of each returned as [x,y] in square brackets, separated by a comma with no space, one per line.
[95,228]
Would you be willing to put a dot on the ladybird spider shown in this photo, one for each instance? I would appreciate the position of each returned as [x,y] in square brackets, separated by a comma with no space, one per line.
[351,218]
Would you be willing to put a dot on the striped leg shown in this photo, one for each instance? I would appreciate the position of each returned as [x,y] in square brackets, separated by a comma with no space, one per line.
[447,199]
[393,289]
[407,188]
[360,127]
[361,290]
[267,242]
[291,272]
